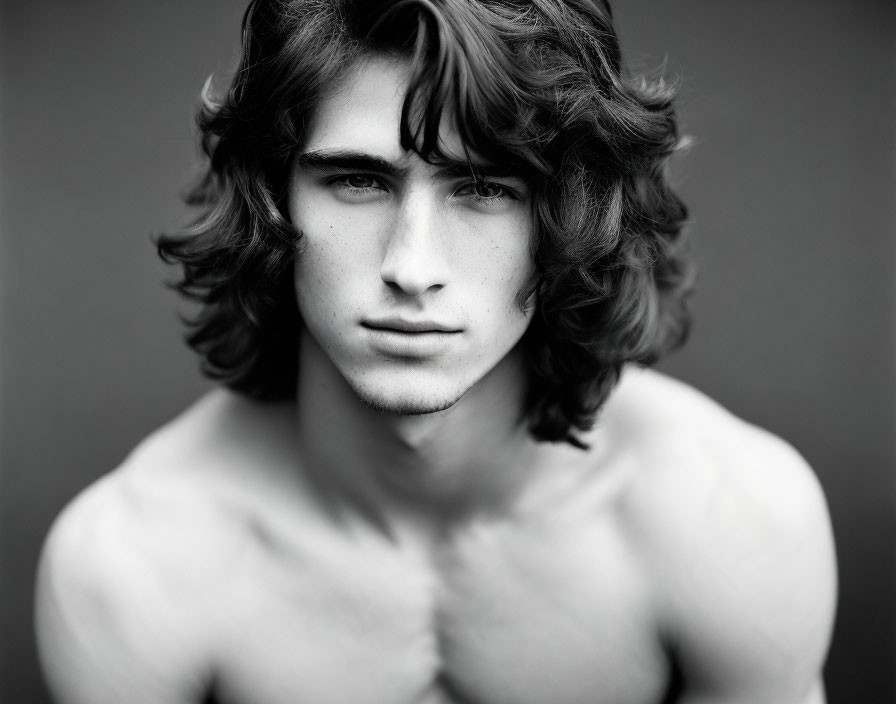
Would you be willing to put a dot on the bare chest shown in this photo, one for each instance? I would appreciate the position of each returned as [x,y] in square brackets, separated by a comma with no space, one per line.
[503,614]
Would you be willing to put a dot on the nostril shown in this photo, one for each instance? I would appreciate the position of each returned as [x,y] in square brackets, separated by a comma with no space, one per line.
[414,274]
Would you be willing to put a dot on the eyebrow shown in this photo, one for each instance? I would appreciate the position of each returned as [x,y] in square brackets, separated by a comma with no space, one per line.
[323,159]
[340,159]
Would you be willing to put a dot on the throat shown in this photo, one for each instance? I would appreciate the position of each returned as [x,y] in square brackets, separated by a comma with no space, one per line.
[448,692]
[464,458]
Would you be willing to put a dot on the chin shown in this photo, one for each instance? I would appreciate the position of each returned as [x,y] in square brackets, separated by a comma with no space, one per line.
[406,402]
[406,407]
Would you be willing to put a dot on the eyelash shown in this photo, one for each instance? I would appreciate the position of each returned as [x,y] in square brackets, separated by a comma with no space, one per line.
[342,181]
[504,192]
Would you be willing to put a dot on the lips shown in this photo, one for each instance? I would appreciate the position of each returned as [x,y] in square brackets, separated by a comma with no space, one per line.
[412,327]
[400,338]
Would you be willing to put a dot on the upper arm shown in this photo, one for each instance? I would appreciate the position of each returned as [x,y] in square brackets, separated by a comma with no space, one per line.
[110,624]
[749,586]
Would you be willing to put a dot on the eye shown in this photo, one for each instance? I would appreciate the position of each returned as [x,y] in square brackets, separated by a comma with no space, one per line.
[356,181]
[486,192]
[357,188]
[484,189]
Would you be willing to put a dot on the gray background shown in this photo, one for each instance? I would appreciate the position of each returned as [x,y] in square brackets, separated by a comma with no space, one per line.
[791,187]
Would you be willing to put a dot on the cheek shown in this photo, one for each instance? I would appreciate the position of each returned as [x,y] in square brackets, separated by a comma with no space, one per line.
[503,269]
[332,261]
[500,271]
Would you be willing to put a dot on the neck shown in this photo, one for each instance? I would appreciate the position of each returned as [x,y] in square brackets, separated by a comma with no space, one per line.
[473,457]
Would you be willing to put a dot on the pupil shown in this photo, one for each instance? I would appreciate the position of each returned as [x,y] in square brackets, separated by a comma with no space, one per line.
[486,190]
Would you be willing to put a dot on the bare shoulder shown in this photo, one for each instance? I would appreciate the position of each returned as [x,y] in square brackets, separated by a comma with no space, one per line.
[164,483]
[694,458]
[131,568]
[687,443]
[183,491]
[114,610]
[733,529]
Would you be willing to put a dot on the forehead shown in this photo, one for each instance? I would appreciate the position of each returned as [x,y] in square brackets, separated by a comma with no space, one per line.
[363,112]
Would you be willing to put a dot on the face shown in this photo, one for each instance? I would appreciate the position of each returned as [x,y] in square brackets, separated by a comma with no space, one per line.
[409,275]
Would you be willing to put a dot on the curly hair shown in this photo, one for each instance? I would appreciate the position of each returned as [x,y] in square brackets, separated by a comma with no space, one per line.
[537,85]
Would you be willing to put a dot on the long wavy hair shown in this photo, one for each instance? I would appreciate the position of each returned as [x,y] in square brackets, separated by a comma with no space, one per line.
[534,84]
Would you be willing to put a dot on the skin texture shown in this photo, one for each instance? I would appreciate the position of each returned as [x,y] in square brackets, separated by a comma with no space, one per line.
[420,244]
[351,547]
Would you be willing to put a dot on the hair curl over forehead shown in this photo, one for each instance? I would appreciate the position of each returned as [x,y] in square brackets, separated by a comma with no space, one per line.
[532,84]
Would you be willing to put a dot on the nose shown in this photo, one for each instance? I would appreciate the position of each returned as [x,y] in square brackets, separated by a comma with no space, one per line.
[413,260]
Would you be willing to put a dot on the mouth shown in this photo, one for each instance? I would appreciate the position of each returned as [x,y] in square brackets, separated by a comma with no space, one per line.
[409,327]
[410,339]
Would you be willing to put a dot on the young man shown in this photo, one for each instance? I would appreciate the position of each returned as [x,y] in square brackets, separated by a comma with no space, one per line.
[436,237]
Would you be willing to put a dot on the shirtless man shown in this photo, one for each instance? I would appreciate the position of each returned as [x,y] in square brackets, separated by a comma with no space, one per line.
[435,235]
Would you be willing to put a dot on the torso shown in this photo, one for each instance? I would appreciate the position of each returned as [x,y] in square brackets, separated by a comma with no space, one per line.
[533,610]
[553,602]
